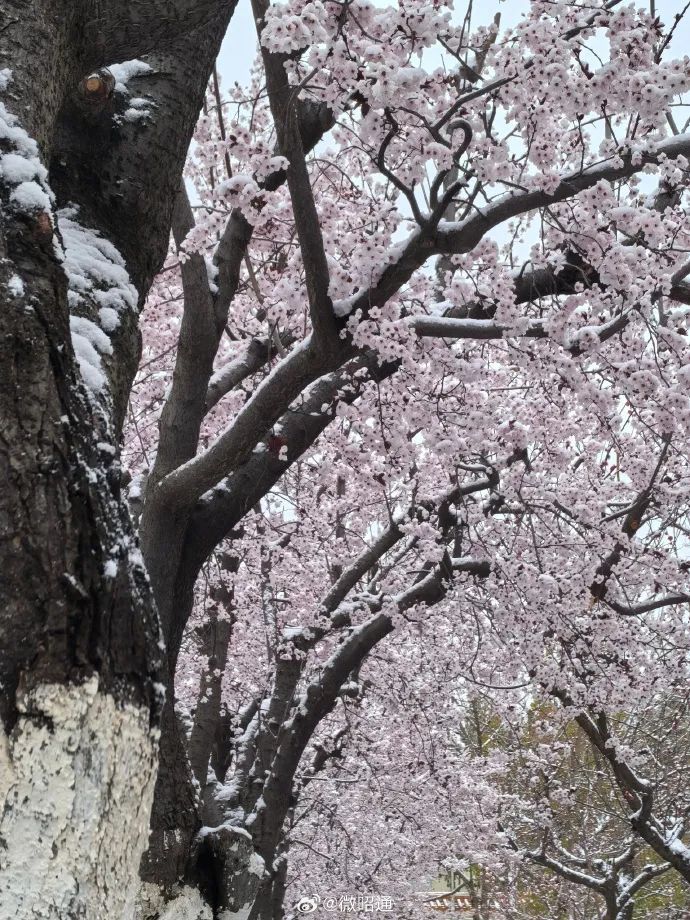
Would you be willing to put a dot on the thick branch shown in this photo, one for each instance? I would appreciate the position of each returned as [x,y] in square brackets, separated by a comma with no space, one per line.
[541,858]
[183,411]
[302,366]
[462,237]
[315,119]
[122,31]
[283,101]
[230,375]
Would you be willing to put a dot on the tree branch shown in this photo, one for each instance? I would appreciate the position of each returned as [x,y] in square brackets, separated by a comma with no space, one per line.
[284,106]
[183,411]
[301,367]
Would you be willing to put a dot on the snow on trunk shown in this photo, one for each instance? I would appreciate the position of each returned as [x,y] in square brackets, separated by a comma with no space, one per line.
[79,772]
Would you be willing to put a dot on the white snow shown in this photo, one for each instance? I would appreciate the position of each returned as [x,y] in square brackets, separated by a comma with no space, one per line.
[188,905]
[21,166]
[211,274]
[257,866]
[96,274]
[135,558]
[241,914]
[457,328]
[89,342]
[230,828]
[5,78]
[139,102]
[344,307]
[15,286]
[108,318]
[15,168]
[92,333]
[680,849]
[95,267]
[125,71]
[139,107]
[16,135]
[227,372]
[135,486]
[110,568]
[29,196]
[291,633]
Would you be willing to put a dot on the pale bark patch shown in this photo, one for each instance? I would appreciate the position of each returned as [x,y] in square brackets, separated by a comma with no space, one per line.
[6,770]
[241,914]
[81,771]
[189,905]
[155,904]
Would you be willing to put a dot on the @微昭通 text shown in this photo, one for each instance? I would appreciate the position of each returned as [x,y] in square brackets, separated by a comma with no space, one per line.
[347,904]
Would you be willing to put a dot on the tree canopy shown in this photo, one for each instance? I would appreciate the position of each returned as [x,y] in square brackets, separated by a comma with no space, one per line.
[372,424]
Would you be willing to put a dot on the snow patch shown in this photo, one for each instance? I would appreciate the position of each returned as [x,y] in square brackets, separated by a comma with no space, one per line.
[126,71]
[228,828]
[95,273]
[108,319]
[680,849]
[257,866]
[5,78]
[22,166]
[15,286]
[15,168]
[16,136]
[140,107]
[29,196]
[211,274]
[89,342]
[241,914]
[110,568]
[344,307]
[95,267]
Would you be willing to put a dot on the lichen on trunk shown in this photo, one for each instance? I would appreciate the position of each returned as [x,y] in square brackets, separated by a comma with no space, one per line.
[76,813]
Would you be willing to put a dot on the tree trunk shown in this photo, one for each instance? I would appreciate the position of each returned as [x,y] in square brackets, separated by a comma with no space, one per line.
[79,659]
[81,665]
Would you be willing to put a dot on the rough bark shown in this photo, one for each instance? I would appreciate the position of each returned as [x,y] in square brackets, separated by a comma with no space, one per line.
[81,667]
[82,768]
[216,639]
[80,643]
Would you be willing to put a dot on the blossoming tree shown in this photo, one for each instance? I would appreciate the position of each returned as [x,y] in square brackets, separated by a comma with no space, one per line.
[410,420]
